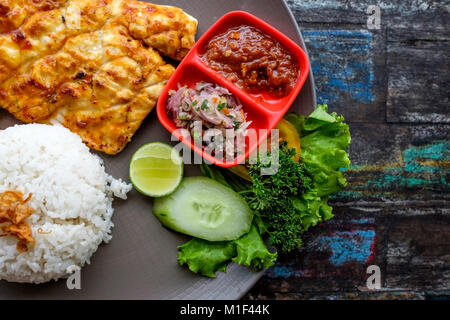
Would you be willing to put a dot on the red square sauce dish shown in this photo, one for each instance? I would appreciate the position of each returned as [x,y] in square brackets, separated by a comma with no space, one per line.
[233,88]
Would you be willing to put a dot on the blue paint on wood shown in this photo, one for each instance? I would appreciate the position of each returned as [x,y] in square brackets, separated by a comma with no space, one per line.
[341,61]
[342,248]
[280,271]
[349,246]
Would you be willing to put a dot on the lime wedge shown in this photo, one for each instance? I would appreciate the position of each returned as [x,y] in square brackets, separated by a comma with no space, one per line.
[156,169]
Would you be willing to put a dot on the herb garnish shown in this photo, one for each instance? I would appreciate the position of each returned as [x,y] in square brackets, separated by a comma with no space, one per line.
[204,105]
[273,196]
[222,106]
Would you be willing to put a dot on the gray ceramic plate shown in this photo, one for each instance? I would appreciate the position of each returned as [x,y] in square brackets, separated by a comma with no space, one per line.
[140,261]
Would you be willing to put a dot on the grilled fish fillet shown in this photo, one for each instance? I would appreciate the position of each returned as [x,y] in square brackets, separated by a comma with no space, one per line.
[94,66]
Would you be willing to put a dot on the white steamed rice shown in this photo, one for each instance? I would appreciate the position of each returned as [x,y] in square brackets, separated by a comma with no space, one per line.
[72,198]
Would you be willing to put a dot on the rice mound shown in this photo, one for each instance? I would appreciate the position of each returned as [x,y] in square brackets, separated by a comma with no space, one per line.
[72,199]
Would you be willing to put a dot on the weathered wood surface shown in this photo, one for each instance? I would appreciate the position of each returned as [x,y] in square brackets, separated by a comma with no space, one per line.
[393,87]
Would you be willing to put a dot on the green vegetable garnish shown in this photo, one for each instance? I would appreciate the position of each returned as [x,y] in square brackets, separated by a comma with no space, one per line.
[206,258]
[222,106]
[325,139]
[286,204]
[273,196]
[194,103]
[296,198]
[204,105]
[205,209]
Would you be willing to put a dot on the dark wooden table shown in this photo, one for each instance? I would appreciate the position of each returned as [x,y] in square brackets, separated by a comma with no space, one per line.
[392,85]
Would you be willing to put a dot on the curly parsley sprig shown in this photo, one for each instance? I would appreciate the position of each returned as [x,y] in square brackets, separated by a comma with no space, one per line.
[272,196]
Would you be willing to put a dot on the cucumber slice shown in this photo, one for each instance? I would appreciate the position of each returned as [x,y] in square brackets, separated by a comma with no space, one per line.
[205,209]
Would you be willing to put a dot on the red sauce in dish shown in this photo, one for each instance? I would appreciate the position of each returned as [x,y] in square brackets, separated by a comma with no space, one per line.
[253,61]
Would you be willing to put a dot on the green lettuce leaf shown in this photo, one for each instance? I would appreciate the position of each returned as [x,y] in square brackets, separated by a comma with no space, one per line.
[297,121]
[324,139]
[312,209]
[206,258]
[252,251]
